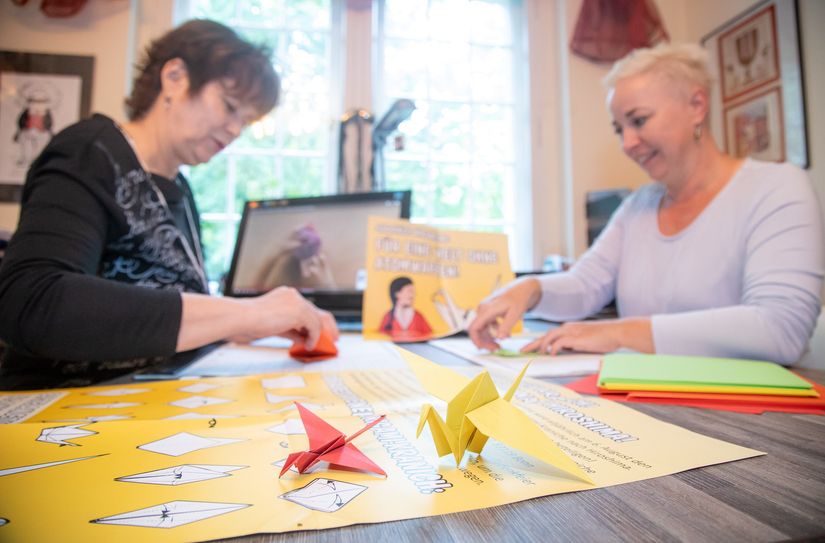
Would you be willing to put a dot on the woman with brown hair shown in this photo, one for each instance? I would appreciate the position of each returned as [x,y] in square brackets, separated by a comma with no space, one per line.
[105,271]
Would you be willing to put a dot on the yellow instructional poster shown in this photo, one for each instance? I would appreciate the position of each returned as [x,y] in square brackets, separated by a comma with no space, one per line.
[200,459]
[425,282]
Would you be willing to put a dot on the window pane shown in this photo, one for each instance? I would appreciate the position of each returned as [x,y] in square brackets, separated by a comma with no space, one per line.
[221,236]
[213,9]
[303,176]
[491,75]
[449,74]
[303,123]
[491,192]
[450,131]
[256,179]
[405,72]
[449,21]
[208,183]
[286,153]
[308,13]
[456,59]
[490,22]
[493,132]
[451,183]
[405,18]
[254,11]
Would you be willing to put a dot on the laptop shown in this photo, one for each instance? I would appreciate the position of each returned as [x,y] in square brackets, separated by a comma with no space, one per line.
[314,244]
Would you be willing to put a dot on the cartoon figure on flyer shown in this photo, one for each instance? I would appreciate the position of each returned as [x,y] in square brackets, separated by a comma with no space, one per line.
[35,122]
[402,322]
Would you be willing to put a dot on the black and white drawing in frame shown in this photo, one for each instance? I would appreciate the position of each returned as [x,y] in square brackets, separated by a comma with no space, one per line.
[40,94]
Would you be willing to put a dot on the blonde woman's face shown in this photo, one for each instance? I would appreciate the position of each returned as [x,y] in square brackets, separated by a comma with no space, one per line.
[654,123]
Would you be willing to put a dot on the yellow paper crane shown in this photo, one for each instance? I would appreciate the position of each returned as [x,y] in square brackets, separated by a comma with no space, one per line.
[475,413]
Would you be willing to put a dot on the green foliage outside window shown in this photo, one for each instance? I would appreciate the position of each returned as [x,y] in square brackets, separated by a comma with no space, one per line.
[458,60]
[285,153]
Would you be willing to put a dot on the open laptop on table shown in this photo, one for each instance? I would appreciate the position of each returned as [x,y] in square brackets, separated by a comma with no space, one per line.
[316,245]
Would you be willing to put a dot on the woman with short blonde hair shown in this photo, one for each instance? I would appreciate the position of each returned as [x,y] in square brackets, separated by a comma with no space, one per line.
[717,256]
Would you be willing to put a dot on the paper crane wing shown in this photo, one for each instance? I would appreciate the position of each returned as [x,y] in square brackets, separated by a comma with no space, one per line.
[441,382]
[506,423]
[443,437]
[319,432]
[349,456]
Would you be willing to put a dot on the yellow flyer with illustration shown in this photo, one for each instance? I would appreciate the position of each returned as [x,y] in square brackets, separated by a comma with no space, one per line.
[425,282]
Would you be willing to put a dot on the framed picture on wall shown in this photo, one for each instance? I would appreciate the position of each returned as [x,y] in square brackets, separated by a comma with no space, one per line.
[754,127]
[758,100]
[40,94]
[748,54]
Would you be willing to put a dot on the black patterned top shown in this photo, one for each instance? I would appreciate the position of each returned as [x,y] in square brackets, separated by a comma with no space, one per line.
[90,281]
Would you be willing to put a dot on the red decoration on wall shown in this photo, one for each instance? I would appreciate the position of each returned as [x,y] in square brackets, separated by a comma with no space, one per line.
[57,8]
[61,8]
[607,30]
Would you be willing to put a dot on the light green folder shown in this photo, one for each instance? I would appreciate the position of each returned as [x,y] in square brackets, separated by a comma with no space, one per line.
[629,372]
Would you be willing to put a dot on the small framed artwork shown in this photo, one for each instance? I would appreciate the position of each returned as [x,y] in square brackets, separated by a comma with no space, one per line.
[40,94]
[758,99]
[754,127]
[748,54]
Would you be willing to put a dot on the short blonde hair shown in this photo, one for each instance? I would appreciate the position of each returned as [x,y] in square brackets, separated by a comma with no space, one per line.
[684,63]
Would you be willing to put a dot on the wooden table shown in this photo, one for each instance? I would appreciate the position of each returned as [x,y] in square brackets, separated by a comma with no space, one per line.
[775,497]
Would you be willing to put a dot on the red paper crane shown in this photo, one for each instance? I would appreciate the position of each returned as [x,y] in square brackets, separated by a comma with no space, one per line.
[328,444]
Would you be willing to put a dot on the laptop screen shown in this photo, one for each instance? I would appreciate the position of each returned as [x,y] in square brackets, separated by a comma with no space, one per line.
[317,245]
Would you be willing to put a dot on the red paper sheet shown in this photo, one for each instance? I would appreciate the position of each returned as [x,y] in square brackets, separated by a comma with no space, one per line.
[739,403]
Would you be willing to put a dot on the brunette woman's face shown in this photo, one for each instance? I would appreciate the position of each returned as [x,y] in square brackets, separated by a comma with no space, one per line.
[202,124]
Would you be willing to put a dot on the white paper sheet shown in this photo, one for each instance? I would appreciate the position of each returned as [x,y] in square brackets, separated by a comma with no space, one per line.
[563,365]
[272,355]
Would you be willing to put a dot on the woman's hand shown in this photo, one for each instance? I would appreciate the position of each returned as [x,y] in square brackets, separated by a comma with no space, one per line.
[497,314]
[596,337]
[279,312]
[284,312]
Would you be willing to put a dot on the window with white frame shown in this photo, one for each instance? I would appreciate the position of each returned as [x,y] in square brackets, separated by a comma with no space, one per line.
[289,152]
[465,148]
[463,63]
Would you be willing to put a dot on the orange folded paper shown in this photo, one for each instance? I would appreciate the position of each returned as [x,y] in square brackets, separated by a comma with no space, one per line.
[324,349]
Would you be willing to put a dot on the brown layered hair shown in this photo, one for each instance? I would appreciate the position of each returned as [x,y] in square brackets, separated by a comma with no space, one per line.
[210,51]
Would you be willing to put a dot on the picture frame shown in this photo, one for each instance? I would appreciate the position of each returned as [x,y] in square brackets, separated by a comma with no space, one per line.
[40,94]
[750,124]
[758,95]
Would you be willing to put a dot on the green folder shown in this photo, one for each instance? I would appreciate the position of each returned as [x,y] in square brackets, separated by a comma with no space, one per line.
[699,374]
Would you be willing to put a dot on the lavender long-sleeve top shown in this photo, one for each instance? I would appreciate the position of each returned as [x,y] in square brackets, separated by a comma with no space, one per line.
[743,280]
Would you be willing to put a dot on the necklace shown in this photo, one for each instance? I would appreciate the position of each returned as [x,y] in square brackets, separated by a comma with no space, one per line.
[195,257]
